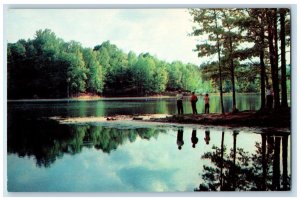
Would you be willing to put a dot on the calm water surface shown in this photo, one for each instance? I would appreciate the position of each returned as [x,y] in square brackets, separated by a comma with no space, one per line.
[45,156]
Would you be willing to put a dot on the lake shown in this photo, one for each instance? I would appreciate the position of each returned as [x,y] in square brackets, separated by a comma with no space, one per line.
[46,156]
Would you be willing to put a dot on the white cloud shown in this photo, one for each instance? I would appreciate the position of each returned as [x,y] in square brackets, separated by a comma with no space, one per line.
[161,32]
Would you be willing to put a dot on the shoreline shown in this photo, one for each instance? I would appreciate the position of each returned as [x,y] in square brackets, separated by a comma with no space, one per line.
[239,119]
[96,98]
[250,119]
[92,99]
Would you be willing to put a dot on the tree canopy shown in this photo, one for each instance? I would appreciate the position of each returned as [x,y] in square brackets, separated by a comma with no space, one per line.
[246,50]
[48,67]
[246,42]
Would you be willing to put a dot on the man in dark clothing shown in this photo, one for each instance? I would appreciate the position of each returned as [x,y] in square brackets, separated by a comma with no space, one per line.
[206,104]
[180,141]
[179,98]
[207,137]
[194,138]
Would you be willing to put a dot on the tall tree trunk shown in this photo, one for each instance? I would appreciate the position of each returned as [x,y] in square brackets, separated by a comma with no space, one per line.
[274,68]
[264,161]
[222,162]
[220,70]
[262,80]
[262,68]
[283,60]
[276,165]
[276,87]
[234,174]
[267,80]
[232,76]
[285,162]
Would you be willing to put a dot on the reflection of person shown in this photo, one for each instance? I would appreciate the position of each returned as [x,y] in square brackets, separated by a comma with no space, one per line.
[179,98]
[206,104]
[180,138]
[269,98]
[193,100]
[207,136]
[194,138]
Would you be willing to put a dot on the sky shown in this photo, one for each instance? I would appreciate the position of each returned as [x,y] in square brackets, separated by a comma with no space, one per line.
[161,32]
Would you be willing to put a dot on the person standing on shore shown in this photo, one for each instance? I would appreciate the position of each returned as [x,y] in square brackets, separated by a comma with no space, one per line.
[206,104]
[194,100]
[179,98]
[269,98]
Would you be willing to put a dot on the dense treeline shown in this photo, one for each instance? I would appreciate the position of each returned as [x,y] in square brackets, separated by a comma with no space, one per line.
[48,67]
[247,50]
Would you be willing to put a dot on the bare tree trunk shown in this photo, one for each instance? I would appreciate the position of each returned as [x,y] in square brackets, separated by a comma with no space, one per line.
[285,162]
[264,161]
[222,160]
[274,68]
[262,80]
[232,77]
[262,68]
[276,165]
[235,133]
[283,60]
[276,79]
[220,70]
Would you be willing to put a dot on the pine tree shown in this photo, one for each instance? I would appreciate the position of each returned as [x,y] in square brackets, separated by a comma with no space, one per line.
[208,21]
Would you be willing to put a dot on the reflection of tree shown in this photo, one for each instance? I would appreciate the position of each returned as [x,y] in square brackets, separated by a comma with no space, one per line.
[240,171]
[47,140]
[161,107]
[28,137]
[224,177]
[76,142]
[285,178]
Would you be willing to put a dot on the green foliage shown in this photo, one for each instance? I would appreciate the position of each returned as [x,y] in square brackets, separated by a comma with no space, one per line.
[242,35]
[160,77]
[33,64]
[175,75]
[95,76]
[76,74]
[48,67]
[143,73]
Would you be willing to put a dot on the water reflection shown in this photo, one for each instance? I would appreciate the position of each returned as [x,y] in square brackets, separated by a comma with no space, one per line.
[180,141]
[47,140]
[194,138]
[225,164]
[67,108]
[241,171]
[207,136]
[39,150]
[234,169]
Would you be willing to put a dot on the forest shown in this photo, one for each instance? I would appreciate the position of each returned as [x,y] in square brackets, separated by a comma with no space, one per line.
[250,47]
[48,67]
[246,49]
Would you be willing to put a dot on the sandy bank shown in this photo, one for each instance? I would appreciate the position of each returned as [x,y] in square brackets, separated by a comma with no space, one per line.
[145,117]
[241,119]
[245,118]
